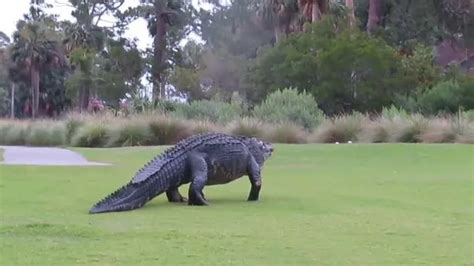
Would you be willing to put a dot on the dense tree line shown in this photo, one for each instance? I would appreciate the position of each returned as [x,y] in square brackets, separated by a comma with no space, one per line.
[352,55]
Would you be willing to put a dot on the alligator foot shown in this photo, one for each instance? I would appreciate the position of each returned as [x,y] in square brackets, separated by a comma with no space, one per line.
[173,195]
[197,199]
[198,203]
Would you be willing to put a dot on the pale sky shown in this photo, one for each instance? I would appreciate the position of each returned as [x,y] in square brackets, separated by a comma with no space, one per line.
[12,11]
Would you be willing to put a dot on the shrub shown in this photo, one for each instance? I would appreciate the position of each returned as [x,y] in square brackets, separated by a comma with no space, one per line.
[287,133]
[340,129]
[45,133]
[393,125]
[90,135]
[13,133]
[213,111]
[468,115]
[449,130]
[198,127]
[443,97]
[166,130]
[439,130]
[407,129]
[394,112]
[420,67]
[467,135]
[289,106]
[376,131]
[250,127]
[72,124]
[130,132]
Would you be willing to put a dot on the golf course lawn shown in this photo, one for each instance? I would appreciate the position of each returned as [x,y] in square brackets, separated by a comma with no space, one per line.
[384,204]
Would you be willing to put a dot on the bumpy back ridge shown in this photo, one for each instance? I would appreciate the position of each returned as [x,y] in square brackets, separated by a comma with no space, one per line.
[183,146]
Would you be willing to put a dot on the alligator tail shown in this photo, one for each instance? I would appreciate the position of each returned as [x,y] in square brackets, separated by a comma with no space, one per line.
[129,197]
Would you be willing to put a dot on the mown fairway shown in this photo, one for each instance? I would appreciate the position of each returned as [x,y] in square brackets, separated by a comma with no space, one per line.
[320,205]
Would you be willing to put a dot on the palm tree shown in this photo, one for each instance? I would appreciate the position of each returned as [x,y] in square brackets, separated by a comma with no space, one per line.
[81,44]
[35,46]
[288,16]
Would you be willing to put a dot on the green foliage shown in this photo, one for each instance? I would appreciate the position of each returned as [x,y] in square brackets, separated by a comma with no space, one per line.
[358,73]
[469,114]
[212,110]
[129,133]
[443,97]
[407,22]
[90,135]
[345,70]
[119,72]
[289,106]
[4,102]
[392,125]
[420,66]
[394,112]
[446,96]
[13,133]
[72,124]
[165,130]
[44,133]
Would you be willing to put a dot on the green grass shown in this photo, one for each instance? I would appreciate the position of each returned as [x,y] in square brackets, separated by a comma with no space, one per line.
[320,205]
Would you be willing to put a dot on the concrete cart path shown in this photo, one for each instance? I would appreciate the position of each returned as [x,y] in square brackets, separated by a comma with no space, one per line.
[21,155]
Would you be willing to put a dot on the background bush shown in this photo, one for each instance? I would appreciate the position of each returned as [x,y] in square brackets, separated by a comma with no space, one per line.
[132,132]
[447,96]
[290,106]
[393,124]
[45,133]
[340,129]
[212,110]
[90,135]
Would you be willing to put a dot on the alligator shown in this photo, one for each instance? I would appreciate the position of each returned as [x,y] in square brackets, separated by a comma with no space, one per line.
[201,160]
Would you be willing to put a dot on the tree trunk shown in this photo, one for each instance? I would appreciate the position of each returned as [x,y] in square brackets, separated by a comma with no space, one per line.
[318,9]
[12,105]
[84,96]
[315,11]
[35,79]
[374,15]
[350,7]
[159,42]
[280,32]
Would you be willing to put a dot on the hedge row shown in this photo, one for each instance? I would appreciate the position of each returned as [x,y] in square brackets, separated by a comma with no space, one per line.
[108,131]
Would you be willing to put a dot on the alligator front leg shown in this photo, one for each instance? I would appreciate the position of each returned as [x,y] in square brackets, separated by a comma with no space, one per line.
[198,167]
[255,179]
[173,195]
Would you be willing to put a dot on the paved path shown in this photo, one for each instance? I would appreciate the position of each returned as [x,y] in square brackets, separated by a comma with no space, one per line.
[20,155]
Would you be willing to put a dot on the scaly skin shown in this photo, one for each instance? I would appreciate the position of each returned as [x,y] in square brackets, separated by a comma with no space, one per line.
[205,159]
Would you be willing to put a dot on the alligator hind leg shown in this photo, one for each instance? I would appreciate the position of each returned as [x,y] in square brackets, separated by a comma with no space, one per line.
[173,195]
[198,168]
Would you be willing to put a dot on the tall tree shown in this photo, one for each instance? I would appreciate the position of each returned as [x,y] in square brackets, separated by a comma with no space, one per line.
[5,99]
[169,21]
[35,48]
[290,16]
[86,37]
